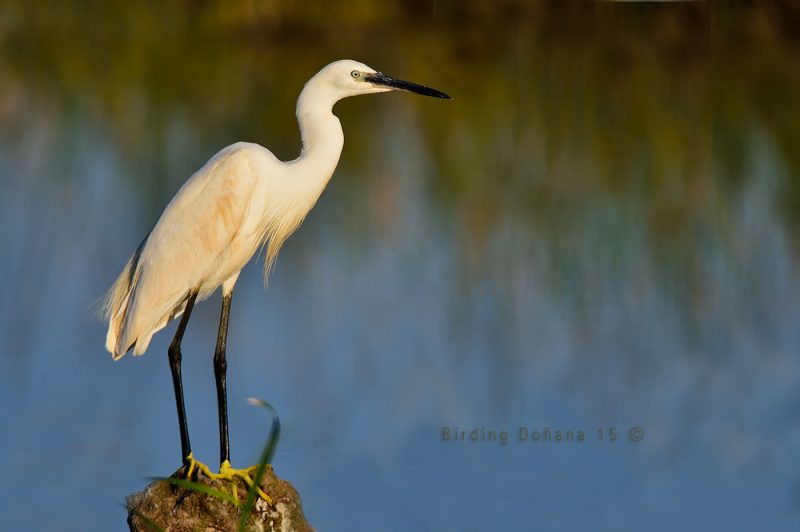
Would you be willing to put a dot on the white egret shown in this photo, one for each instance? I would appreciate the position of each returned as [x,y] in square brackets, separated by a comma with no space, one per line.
[241,199]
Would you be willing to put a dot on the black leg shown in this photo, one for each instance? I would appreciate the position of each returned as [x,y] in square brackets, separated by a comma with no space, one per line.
[220,370]
[175,365]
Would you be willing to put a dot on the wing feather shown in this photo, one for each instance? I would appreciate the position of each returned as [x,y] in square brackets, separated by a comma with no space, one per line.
[183,249]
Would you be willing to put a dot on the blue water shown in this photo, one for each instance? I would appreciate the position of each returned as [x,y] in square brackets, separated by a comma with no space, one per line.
[369,350]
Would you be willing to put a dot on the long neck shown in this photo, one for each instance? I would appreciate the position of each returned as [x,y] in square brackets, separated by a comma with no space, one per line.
[321,132]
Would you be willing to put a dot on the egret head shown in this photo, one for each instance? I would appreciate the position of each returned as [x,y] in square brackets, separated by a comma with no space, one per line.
[350,78]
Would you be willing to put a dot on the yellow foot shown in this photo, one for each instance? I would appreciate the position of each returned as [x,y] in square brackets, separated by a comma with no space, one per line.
[193,467]
[226,472]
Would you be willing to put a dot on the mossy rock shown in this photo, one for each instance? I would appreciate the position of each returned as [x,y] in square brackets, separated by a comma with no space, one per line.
[164,506]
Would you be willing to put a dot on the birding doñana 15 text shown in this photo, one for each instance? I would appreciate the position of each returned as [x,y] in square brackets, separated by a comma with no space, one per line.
[543,435]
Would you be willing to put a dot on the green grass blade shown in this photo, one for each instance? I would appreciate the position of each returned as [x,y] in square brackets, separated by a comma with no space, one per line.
[152,525]
[200,488]
[264,461]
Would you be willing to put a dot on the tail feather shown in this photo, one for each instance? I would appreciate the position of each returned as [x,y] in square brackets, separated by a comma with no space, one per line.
[114,309]
[115,323]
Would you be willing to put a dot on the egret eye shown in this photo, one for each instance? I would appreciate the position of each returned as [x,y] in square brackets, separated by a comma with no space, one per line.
[355,74]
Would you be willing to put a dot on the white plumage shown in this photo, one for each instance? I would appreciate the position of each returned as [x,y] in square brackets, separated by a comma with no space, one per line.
[242,198]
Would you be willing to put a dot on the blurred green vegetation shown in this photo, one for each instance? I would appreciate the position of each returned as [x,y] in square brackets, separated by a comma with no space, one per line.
[647,92]
[651,94]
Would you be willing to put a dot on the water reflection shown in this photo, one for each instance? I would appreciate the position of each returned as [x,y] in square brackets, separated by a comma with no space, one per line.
[597,231]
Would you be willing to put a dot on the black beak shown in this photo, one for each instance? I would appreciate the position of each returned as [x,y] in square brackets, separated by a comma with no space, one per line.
[379,78]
